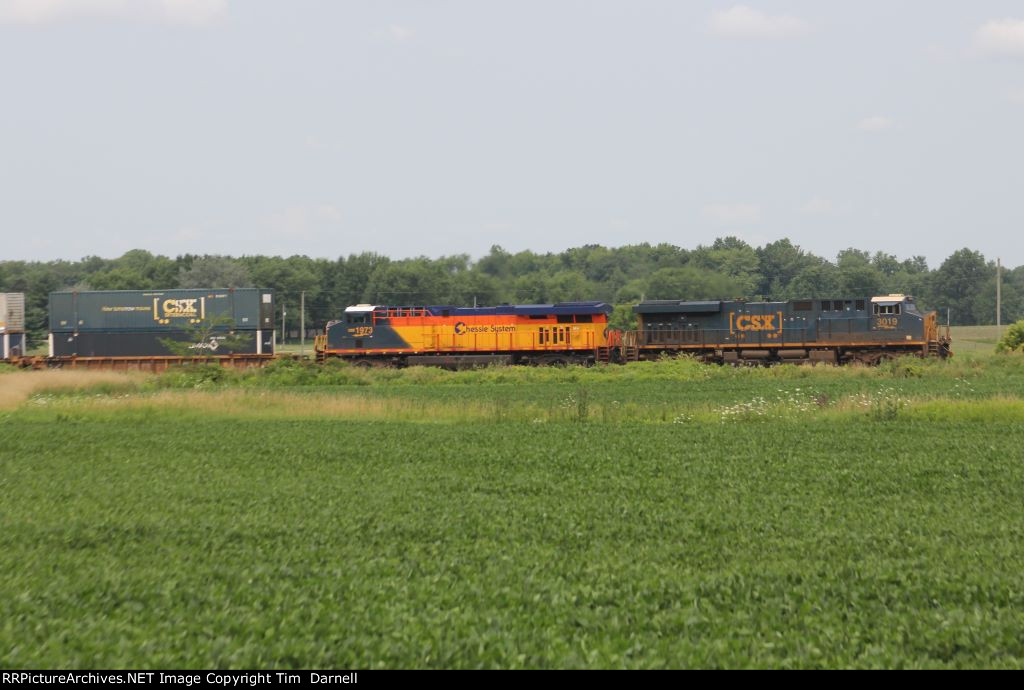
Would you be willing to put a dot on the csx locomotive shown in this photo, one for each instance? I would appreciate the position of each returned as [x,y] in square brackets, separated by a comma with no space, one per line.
[836,331]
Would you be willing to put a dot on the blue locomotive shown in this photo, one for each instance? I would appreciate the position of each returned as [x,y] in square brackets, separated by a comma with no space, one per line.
[836,331]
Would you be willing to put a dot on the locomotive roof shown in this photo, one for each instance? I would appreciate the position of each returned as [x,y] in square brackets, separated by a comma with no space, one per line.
[564,308]
[890,299]
[527,309]
[665,306]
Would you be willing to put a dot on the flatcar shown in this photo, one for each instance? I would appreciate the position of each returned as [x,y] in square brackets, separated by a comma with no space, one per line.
[837,331]
[457,337]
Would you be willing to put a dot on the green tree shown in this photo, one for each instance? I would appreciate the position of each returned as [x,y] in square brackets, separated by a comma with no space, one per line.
[731,257]
[623,318]
[1013,339]
[983,305]
[632,292]
[957,283]
[691,283]
[779,263]
[411,282]
[567,286]
[472,287]
[497,263]
[819,280]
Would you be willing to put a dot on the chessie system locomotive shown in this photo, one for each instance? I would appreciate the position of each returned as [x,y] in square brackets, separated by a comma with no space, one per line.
[155,329]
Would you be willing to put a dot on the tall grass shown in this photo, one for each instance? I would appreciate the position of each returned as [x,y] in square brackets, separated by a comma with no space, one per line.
[292,373]
[883,403]
[18,386]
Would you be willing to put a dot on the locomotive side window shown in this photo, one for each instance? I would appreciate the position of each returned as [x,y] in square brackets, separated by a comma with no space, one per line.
[584,318]
[565,318]
[887,309]
[860,305]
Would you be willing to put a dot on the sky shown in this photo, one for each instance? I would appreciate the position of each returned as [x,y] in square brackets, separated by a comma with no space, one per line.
[434,127]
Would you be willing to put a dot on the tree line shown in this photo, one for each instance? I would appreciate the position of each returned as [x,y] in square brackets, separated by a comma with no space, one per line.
[964,284]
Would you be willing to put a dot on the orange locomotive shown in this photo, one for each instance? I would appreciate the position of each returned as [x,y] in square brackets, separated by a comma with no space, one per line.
[563,333]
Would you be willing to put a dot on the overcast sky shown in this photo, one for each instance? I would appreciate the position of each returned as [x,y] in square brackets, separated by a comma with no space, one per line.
[326,127]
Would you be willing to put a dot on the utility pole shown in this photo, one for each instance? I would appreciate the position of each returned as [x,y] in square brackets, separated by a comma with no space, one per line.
[283,314]
[999,298]
[302,324]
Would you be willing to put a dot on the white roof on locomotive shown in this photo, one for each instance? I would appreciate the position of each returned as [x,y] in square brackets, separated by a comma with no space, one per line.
[360,308]
[889,299]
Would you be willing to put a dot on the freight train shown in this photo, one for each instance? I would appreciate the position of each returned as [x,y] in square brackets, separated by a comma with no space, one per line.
[156,329]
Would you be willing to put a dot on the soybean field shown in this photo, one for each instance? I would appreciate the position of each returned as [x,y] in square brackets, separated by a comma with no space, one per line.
[665,514]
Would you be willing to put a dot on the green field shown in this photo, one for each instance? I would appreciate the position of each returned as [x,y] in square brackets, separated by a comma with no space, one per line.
[665,514]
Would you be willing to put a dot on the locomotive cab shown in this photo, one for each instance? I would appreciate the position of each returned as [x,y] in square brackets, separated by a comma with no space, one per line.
[897,313]
[900,316]
[354,330]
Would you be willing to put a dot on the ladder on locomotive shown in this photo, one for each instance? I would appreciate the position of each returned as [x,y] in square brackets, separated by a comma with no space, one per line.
[631,346]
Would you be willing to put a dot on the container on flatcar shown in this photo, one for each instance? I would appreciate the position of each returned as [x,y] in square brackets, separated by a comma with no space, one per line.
[12,324]
[161,310]
[162,323]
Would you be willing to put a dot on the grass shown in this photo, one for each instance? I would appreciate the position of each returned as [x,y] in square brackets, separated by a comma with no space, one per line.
[17,387]
[656,515]
[975,339]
